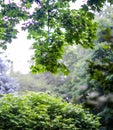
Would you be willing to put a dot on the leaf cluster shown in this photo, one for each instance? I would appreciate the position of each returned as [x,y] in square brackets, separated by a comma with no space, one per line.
[52,25]
[98,95]
[41,111]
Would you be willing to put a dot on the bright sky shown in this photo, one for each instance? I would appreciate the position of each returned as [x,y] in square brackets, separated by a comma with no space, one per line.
[19,50]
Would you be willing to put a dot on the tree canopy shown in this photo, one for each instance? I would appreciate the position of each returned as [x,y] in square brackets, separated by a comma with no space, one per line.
[52,24]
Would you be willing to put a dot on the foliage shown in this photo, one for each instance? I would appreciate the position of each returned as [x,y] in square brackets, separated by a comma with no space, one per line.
[65,86]
[99,95]
[33,111]
[71,85]
[97,4]
[31,82]
[52,25]
[100,69]
[100,84]
[7,85]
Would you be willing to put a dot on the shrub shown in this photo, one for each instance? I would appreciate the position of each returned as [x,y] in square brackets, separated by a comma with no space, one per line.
[40,111]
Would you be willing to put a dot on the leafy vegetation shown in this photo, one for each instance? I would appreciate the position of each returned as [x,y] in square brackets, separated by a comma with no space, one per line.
[40,111]
[89,83]
[98,95]
[53,25]
[60,85]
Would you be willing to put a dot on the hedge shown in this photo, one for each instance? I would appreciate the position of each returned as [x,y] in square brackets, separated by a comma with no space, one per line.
[40,111]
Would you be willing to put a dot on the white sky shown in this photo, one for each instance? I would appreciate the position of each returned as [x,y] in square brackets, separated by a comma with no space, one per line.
[18,51]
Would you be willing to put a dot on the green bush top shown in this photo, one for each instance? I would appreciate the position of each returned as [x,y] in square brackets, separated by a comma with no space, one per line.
[40,111]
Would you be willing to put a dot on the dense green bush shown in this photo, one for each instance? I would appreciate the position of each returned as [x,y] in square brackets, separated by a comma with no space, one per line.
[39,111]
